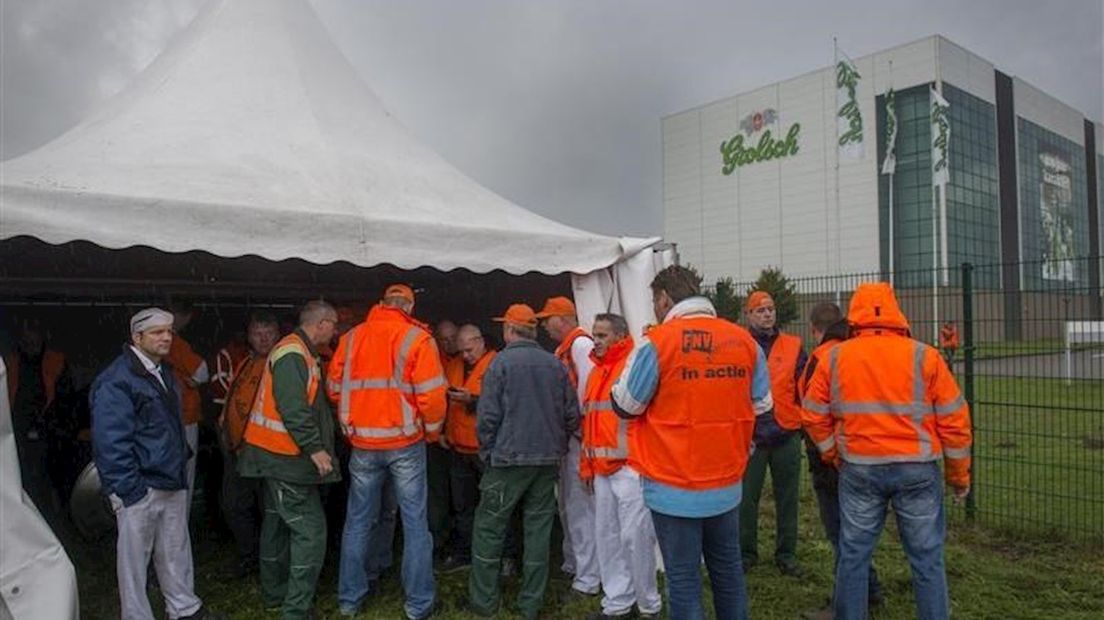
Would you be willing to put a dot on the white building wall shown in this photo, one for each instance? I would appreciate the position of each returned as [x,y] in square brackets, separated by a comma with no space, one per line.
[966,71]
[784,212]
[1034,105]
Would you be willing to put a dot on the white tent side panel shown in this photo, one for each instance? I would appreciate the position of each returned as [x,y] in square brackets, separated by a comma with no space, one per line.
[37,580]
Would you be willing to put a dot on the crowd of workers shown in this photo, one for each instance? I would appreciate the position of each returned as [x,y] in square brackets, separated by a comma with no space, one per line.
[632,440]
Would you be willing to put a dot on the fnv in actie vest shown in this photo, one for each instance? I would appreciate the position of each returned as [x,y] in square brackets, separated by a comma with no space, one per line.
[697,430]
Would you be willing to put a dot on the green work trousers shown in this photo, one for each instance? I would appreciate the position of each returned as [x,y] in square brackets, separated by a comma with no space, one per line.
[784,460]
[439,498]
[501,489]
[293,546]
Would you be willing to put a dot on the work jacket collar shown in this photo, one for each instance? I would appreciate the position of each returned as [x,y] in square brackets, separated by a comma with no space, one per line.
[614,354]
[691,306]
[306,341]
[380,312]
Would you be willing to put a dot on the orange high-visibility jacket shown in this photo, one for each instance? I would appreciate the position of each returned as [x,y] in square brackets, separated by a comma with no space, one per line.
[696,432]
[53,364]
[782,364]
[460,423]
[883,397]
[817,358]
[240,396]
[266,426]
[185,362]
[605,445]
[563,353]
[948,337]
[387,379]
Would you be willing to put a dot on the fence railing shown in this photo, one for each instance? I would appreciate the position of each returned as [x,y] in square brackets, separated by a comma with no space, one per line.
[1031,365]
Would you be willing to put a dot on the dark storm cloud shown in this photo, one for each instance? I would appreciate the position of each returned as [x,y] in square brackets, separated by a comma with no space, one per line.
[554,104]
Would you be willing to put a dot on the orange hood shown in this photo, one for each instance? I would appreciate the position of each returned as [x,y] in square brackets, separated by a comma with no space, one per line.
[874,305]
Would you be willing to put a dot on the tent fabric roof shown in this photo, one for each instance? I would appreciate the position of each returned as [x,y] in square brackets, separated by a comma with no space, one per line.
[252,134]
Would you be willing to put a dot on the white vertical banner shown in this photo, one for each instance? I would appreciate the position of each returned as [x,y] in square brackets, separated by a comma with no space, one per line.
[940,139]
[849,121]
[889,164]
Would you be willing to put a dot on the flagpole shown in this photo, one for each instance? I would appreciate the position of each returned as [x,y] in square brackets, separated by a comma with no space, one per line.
[891,175]
[835,72]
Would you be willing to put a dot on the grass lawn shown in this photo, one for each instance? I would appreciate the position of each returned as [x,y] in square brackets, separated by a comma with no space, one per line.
[991,576]
[1039,456]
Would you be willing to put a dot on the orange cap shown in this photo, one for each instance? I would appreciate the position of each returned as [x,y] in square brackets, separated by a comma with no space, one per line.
[399,290]
[518,314]
[557,306]
[758,299]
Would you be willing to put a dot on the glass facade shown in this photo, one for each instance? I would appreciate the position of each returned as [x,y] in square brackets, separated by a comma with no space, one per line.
[1054,226]
[973,207]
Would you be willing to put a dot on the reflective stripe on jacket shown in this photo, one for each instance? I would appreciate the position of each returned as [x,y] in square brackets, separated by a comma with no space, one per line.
[266,425]
[387,380]
[460,422]
[883,397]
[605,446]
[782,363]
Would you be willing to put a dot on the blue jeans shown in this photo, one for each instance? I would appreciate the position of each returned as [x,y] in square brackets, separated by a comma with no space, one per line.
[406,468]
[683,542]
[915,491]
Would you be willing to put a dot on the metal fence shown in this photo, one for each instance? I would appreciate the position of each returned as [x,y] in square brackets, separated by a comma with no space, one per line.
[1031,365]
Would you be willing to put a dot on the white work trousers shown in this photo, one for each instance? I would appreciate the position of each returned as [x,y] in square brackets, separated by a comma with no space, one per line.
[191,435]
[156,525]
[626,544]
[577,517]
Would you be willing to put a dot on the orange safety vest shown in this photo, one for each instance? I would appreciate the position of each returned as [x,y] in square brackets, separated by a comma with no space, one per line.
[266,426]
[460,422]
[886,398]
[53,364]
[605,446]
[563,353]
[782,364]
[241,394]
[696,432]
[185,362]
[387,379]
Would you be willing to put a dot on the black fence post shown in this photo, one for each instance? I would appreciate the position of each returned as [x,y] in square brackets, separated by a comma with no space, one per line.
[968,378]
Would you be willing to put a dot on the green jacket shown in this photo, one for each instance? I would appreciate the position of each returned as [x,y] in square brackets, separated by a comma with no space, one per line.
[311,426]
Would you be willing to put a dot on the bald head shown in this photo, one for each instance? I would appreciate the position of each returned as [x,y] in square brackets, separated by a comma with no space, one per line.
[470,342]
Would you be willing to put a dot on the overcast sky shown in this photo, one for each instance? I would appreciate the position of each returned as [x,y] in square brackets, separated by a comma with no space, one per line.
[555,104]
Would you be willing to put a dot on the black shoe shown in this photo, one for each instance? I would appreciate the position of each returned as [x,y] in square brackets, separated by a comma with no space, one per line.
[791,569]
[597,615]
[464,605]
[243,569]
[204,614]
[574,596]
[455,563]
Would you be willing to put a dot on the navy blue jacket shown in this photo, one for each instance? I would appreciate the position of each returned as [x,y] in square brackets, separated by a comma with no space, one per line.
[137,435]
[527,409]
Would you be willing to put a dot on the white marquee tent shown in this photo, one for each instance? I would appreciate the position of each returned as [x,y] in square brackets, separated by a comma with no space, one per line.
[252,135]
